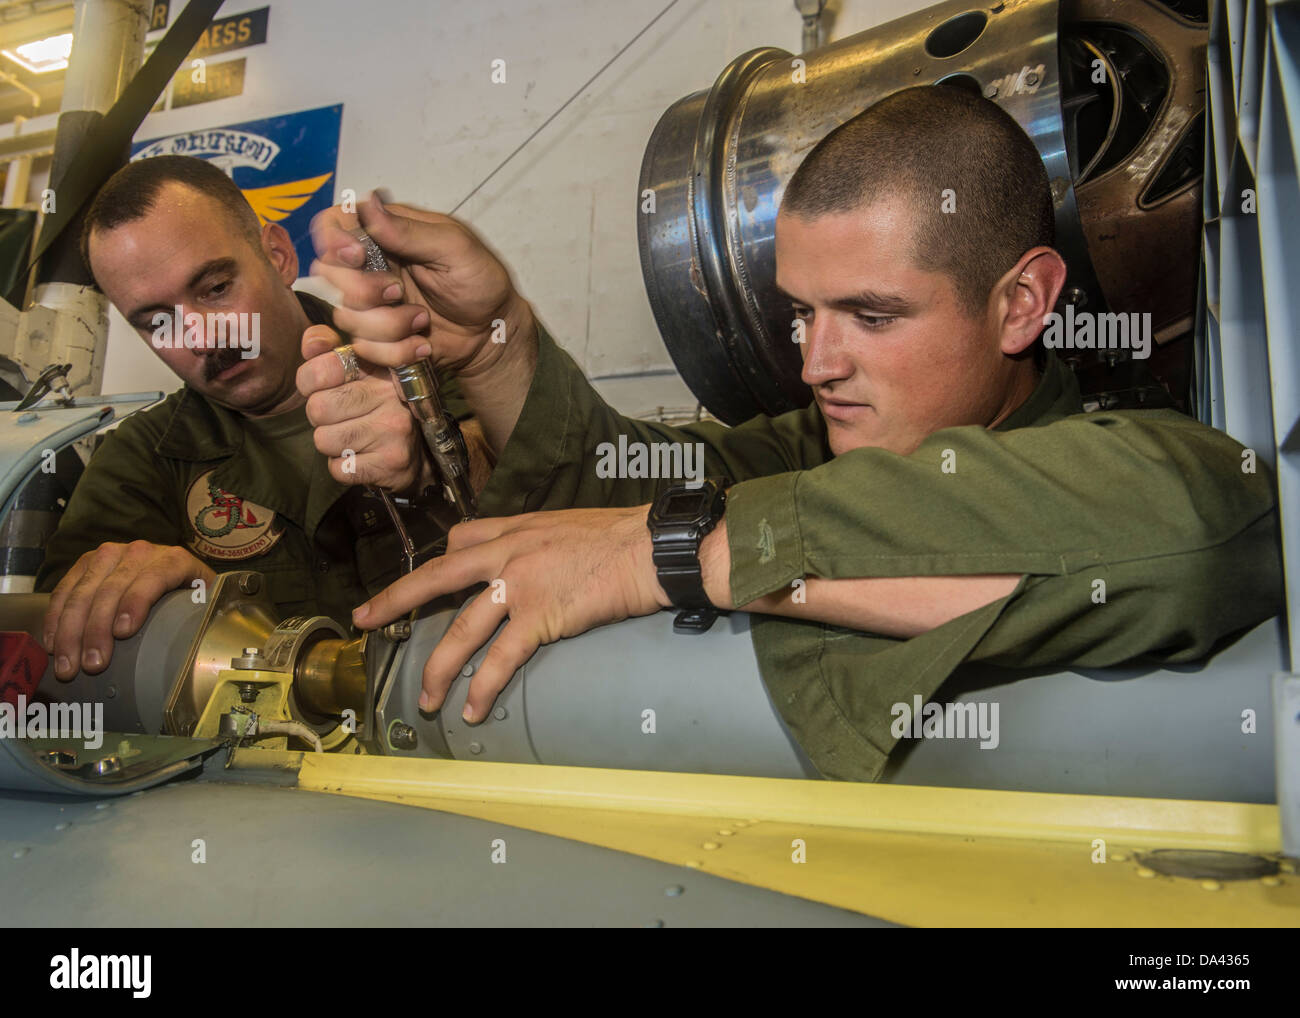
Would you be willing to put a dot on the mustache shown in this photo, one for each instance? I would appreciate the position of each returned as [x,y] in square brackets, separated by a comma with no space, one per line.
[218,361]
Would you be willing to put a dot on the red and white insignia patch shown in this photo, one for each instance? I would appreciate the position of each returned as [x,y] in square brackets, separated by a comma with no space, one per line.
[226,526]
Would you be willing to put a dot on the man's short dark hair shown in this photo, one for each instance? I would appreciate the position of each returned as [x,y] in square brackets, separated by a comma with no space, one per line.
[916,144]
[130,194]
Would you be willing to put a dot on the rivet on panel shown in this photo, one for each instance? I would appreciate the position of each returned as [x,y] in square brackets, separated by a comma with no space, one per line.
[709,846]
[1211,885]
[1271,881]
[467,671]
[1145,873]
[476,748]
[675,891]
[694,864]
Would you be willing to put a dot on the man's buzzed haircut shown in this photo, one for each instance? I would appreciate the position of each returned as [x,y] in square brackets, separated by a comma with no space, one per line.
[131,192]
[916,144]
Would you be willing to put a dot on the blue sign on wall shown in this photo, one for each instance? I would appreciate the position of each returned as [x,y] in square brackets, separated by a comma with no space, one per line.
[284,165]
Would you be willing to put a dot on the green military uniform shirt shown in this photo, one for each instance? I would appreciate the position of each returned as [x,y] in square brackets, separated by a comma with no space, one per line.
[239,493]
[1152,503]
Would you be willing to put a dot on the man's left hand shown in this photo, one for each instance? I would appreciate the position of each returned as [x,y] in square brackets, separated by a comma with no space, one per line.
[362,427]
[368,418]
[551,574]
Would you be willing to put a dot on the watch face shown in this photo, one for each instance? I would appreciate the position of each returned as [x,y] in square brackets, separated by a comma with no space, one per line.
[685,505]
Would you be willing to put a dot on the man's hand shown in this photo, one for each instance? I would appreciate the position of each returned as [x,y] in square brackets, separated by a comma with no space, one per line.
[107,594]
[366,417]
[369,418]
[446,272]
[451,300]
[552,574]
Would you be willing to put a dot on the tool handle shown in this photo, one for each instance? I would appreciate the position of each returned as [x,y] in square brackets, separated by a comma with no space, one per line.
[419,387]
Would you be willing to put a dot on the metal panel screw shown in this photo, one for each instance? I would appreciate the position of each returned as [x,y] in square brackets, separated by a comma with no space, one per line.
[403,736]
[108,765]
[398,631]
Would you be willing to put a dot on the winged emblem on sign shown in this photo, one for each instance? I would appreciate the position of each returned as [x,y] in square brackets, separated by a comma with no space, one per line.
[279,200]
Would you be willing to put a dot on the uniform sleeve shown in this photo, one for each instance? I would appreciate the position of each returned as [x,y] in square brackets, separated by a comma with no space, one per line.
[124,495]
[452,400]
[1135,533]
[570,448]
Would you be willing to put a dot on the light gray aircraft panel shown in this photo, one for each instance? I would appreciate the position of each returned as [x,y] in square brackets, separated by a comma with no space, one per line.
[287,857]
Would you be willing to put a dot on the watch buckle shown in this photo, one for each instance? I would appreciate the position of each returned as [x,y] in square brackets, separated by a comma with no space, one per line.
[695,620]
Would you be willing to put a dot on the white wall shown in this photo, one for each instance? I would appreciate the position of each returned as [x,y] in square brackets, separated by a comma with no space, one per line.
[422,117]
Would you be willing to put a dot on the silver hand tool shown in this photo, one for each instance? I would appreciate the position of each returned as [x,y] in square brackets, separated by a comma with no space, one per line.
[419,387]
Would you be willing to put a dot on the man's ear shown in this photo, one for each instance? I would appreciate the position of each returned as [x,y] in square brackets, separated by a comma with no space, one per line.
[279,249]
[1031,288]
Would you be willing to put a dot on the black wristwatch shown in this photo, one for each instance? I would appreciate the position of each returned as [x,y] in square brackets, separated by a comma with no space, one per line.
[679,520]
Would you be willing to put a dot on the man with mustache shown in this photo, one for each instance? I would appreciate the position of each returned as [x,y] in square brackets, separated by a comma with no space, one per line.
[943,500]
[224,473]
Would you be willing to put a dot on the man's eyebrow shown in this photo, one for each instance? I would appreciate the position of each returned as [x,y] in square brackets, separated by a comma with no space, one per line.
[864,300]
[881,303]
[216,265]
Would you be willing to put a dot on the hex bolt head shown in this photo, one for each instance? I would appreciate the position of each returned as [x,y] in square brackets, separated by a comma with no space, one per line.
[403,736]
[398,631]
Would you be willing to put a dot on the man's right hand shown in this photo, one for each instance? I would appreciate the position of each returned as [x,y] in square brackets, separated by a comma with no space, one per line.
[107,595]
[445,270]
[461,309]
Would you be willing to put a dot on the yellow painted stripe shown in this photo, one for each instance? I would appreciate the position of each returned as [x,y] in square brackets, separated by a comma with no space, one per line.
[911,854]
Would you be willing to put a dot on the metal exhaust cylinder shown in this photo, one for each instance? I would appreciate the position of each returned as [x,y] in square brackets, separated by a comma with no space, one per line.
[718,162]
[636,696]
[133,689]
[161,680]
[632,695]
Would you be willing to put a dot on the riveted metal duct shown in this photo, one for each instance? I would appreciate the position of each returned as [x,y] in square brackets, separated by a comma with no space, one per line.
[1122,151]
